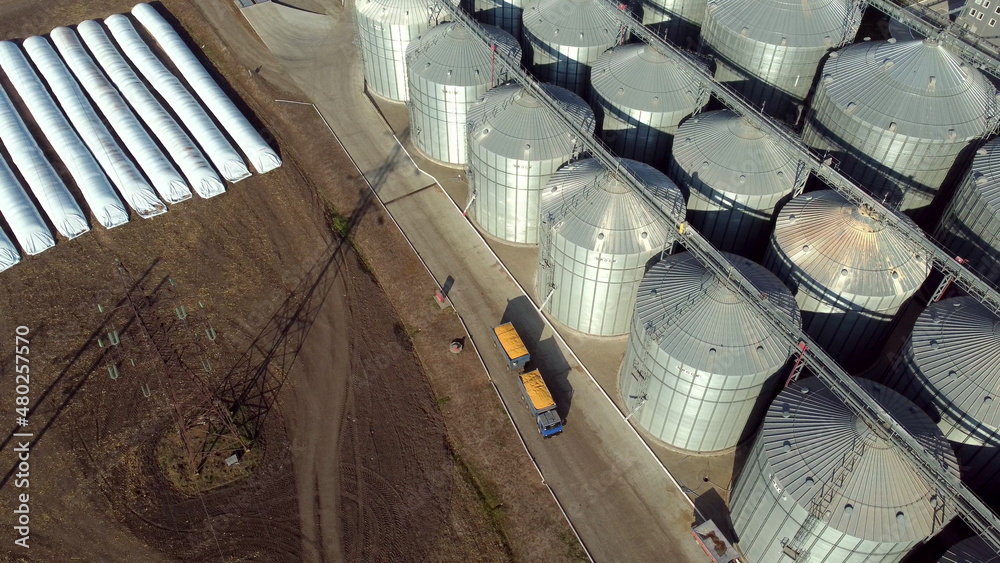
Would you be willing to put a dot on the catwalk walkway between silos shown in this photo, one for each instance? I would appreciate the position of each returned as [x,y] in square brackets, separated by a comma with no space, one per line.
[615,492]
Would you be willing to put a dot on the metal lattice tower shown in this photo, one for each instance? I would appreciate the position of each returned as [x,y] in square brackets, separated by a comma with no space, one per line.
[967,504]
[196,410]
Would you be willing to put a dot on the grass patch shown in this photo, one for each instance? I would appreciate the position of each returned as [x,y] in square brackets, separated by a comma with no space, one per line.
[489,499]
[172,457]
[573,548]
[339,224]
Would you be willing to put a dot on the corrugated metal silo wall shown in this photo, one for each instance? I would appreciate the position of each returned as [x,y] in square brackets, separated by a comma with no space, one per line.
[980,464]
[908,170]
[765,520]
[970,228]
[773,77]
[508,193]
[971,550]
[562,65]
[438,118]
[735,223]
[639,135]
[853,333]
[594,291]
[383,54]
[685,407]
[678,20]
[505,14]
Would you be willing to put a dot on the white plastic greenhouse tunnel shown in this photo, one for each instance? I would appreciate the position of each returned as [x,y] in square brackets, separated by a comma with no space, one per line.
[260,154]
[185,153]
[222,154]
[90,179]
[165,178]
[21,214]
[118,166]
[49,190]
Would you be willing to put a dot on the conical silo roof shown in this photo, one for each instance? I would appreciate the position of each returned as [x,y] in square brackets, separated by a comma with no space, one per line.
[510,122]
[809,433]
[986,171]
[956,348]
[396,12]
[915,88]
[789,23]
[972,550]
[640,77]
[699,321]
[730,155]
[449,54]
[592,208]
[572,23]
[846,249]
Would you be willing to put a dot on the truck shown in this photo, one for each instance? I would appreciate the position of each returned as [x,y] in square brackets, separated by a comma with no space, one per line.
[716,546]
[511,346]
[539,400]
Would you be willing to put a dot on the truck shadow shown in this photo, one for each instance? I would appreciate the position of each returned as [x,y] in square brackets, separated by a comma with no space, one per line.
[546,356]
[711,506]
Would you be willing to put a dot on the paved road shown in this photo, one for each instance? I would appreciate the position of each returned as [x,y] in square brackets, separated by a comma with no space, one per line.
[616,494]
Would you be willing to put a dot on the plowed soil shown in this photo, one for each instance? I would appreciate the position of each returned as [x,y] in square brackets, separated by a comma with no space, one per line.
[353,460]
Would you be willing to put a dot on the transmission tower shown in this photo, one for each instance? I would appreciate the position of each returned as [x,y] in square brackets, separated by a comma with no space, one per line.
[204,425]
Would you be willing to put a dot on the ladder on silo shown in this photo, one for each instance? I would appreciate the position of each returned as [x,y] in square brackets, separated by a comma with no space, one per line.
[652,339]
[819,507]
[654,331]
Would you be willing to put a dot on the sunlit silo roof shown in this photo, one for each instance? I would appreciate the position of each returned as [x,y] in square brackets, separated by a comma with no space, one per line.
[699,360]
[850,272]
[902,112]
[641,96]
[515,145]
[814,454]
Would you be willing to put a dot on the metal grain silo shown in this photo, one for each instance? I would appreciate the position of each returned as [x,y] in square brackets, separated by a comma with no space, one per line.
[821,484]
[700,366]
[972,550]
[596,238]
[678,20]
[970,225]
[641,95]
[770,50]
[448,70]
[385,29]
[951,368]
[515,145]
[505,14]
[736,177]
[564,38]
[898,115]
[850,273]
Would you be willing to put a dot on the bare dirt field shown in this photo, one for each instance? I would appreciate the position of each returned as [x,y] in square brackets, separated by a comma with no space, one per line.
[375,443]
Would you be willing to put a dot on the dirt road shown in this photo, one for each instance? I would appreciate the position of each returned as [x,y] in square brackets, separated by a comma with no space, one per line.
[98,488]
